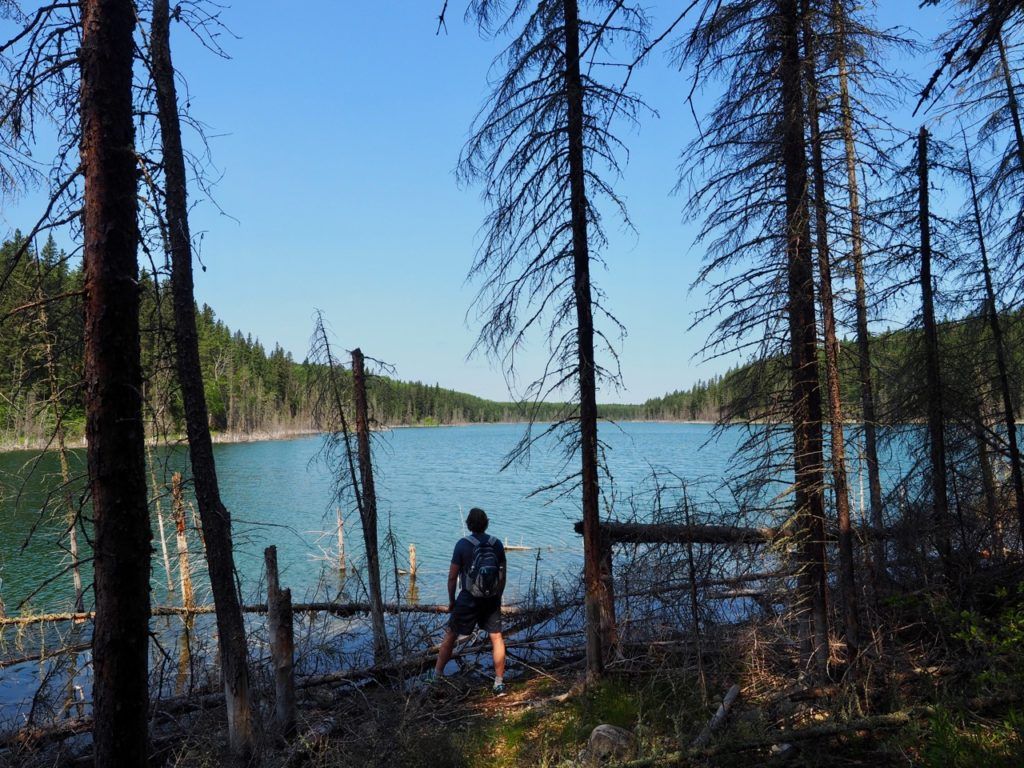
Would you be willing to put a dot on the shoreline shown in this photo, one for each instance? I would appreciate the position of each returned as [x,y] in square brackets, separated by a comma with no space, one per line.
[266,436]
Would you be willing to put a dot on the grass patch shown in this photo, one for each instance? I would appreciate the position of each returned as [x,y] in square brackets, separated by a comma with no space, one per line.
[950,739]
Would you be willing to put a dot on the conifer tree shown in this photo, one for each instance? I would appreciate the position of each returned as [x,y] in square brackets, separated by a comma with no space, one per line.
[538,148]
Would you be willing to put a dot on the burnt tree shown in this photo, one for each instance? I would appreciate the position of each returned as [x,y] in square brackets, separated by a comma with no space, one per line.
[538,147]
[113,387]
[368,508]
[806,392]
[214,516]
[933,384]
[837,438]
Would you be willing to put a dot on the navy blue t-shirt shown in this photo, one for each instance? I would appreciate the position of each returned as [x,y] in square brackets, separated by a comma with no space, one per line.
[463,554]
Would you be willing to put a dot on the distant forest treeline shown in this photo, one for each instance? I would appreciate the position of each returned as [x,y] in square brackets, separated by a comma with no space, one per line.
[251,390]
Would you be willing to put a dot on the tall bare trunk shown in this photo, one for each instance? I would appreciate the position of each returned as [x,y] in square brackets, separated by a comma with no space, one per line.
[806,395]
[215,518]
[368,509]
[936,438]
[840,480]
[599,603]
[113,386]
[867,397]
[1002,369]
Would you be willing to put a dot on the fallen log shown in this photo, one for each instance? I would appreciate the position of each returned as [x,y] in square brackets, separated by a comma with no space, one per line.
[27,738]
[825,730]
[664,533]
[669,533]
[336,609]
[719,717]
[43,655]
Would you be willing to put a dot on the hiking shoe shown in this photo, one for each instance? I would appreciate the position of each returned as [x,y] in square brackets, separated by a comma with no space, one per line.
[499,689]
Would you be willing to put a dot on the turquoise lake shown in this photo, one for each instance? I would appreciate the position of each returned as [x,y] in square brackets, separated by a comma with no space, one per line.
[427,479]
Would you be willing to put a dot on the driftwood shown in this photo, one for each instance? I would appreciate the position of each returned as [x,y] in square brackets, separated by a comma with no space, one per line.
[719,717]
[43,655]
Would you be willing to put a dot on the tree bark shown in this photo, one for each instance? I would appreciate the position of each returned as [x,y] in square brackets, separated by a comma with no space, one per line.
[282,645]
[936,438]
[806,394]
[368,510]
[837,442]
[867,397]
[113,387]
[599,602]
[215,518]
[188,600]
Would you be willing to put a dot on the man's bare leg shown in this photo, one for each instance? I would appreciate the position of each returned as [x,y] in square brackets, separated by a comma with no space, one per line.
[498,651]
[444,654]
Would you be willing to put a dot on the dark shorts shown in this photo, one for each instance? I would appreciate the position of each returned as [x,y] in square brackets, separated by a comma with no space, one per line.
[471,612]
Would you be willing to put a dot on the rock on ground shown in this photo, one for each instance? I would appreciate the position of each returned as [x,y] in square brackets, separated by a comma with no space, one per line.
[609,742]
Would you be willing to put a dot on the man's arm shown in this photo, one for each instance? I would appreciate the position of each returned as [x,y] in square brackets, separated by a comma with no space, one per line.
[453,581]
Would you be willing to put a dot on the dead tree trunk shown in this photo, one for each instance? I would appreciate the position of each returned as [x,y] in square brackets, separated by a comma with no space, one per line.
[599,603]
[160,521]
[113,387]
[933,384]
[181,538]
[1002,369]
[837,443]
[867,397]
[368,509]
[806,395]
[50,361]
[216,520]
[282,645]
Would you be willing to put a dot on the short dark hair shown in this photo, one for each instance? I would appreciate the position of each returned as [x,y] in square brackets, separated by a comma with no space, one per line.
[476,520]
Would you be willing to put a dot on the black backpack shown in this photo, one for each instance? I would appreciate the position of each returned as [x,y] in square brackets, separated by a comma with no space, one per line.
[483,579]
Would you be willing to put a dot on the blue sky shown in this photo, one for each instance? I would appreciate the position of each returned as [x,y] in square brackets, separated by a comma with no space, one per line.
[336,127]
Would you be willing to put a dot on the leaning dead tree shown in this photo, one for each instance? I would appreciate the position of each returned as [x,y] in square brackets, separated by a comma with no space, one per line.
[349,455]
[542,148]
[215,517]
[113,379]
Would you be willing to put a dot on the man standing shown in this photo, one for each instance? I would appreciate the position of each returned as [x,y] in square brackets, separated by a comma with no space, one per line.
[479,560]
